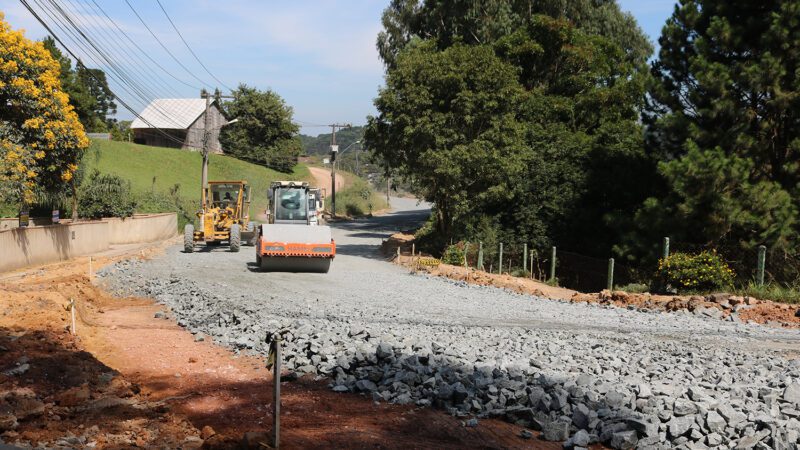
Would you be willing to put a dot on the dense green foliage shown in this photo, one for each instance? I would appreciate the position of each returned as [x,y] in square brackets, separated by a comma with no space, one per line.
[105,196]
[321,144]
[264,133]
[723,116]
[539,123]
[482,22]
[515,130]
[454,254]
[358,198]
[694,272]
[88,91]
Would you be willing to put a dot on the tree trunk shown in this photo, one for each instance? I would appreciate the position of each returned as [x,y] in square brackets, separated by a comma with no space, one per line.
[74,202]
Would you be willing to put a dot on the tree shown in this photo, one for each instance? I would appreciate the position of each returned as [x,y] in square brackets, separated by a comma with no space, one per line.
[102,104]
[571,124]
[485,21]
[723,114]
[264,133]
[88,90]
[448,122]
[41,138]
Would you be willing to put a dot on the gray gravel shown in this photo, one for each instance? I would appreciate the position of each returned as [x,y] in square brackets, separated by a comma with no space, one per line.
[580,373]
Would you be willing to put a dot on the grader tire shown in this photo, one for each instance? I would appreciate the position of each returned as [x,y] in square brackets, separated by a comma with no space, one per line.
[188,238]
[236,237]
[251,230]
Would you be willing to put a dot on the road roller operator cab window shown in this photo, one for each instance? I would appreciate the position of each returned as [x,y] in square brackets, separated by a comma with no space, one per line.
[291,204]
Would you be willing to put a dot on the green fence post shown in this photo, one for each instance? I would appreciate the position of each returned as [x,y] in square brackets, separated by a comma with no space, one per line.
[610,274]
[553,265]
[525,258]
[762,256]
[466,253]
[500,265]
[480,255]
[665,253]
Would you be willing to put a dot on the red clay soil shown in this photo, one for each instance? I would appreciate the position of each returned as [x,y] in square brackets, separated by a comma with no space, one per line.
[131,380]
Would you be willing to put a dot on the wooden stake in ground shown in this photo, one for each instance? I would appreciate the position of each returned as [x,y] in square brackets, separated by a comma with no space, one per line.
[274,359]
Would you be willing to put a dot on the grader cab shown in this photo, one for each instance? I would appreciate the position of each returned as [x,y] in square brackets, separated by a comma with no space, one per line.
[223,218]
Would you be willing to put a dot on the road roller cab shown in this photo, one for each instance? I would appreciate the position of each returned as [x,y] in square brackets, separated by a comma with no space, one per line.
[291,242]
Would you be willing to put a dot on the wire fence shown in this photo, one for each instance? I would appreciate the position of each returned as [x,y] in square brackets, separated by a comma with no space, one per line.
[592,274]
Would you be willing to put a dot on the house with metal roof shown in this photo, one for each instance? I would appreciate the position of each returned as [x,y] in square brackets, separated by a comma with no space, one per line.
[178,123]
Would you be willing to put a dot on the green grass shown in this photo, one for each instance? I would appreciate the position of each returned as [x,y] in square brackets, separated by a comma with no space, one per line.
[158,170]
[771,291]
[358,198]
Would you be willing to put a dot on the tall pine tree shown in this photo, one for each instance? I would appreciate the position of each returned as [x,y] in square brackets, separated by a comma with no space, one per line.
[724,117]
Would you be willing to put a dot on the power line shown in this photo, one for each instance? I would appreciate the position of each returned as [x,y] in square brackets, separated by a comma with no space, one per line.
[164,46]
[140,49]
[190,48]
[130,56]
[68,50]
[125,79]
[121,52]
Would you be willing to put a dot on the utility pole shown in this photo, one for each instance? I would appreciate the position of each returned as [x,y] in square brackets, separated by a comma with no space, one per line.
[334,150]
[206,142]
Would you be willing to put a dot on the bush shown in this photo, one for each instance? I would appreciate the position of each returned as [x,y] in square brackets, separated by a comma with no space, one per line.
[699,272]
[358,199]
[160,202]
[454,254]
[105,196]
[634,288]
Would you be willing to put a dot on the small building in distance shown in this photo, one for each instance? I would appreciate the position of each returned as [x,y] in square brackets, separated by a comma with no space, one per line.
[181,118]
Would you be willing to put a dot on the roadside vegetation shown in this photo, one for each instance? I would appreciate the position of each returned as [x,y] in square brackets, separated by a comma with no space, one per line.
[547,126]
[164,179]
[358,198]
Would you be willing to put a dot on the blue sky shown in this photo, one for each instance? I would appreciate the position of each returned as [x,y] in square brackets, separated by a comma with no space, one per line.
[319,55]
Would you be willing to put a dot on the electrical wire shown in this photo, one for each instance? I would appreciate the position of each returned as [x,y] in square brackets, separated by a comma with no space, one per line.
[75,56]
[144,94]
[147,55]
[164,46]
[124,50]
[118,54]
[190,48]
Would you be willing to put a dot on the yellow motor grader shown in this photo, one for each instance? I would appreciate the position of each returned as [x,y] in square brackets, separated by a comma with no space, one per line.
[224,217]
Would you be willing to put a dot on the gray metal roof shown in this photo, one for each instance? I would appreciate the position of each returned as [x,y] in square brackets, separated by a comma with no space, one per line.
[170,113]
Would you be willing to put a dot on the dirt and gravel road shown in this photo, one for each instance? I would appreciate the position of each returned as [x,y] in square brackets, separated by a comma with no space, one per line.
[589,373]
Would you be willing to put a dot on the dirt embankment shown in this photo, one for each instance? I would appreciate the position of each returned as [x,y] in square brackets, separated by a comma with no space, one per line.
[132,378]
[721,305]
[322,179]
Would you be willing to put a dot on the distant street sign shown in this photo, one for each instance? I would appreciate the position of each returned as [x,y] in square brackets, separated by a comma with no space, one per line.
[326,160]
[56,217]
[334,148]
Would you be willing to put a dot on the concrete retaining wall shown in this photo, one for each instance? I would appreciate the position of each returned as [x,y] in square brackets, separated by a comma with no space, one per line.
[142,228]
[21,247]
[7,223]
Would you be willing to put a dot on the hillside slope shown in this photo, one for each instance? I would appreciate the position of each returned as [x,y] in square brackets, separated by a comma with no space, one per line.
[156,169]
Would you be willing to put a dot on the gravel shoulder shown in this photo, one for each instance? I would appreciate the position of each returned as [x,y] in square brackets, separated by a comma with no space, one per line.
[624,378]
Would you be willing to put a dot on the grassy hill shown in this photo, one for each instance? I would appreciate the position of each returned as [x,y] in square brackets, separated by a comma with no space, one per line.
[154,172]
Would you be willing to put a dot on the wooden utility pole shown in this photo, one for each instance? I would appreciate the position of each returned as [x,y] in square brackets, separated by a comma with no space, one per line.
[334,151]
[206,140]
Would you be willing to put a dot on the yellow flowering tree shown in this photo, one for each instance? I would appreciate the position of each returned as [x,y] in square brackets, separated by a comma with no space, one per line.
[41,139]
